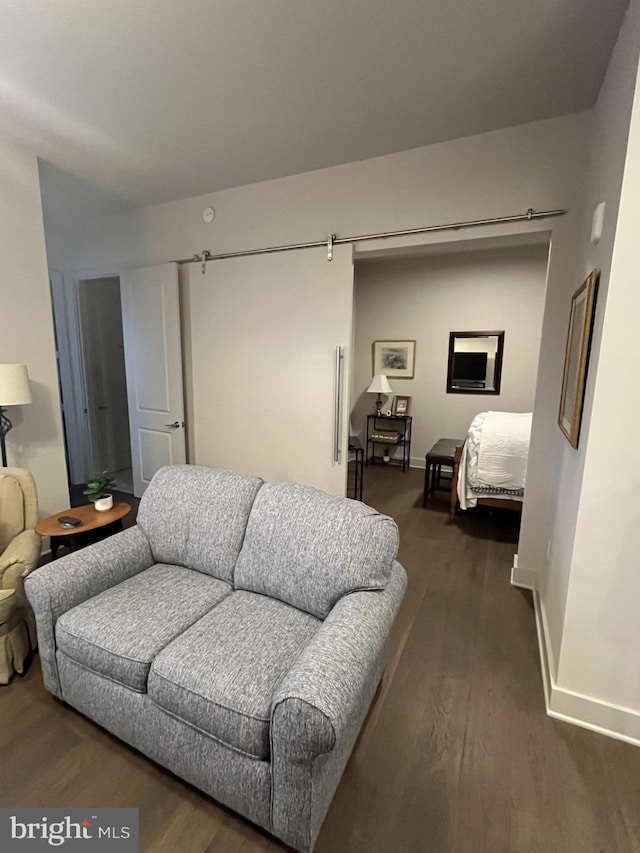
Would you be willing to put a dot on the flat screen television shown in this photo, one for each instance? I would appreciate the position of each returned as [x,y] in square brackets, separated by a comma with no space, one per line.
[469,367]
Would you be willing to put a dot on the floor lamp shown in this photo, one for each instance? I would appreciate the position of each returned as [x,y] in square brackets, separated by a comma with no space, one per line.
[14,391]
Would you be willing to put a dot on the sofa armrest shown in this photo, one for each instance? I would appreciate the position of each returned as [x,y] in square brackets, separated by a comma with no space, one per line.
[318,693]
[62,584]
[321,703]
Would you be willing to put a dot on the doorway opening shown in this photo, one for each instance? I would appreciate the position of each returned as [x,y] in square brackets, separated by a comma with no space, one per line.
[91,361]
[416,296]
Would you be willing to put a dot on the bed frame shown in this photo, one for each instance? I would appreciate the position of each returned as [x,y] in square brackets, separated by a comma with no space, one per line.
[497,503]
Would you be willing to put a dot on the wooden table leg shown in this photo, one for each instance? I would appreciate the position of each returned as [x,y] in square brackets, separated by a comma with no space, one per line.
[454,481]
[56,542]
[426,483]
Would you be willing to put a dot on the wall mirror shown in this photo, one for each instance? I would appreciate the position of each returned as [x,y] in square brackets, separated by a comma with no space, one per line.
[475,362]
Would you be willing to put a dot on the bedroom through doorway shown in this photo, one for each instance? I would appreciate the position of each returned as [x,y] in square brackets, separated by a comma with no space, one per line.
[418,296]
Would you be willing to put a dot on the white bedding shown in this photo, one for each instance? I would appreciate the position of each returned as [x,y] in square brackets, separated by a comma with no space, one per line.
[494,460]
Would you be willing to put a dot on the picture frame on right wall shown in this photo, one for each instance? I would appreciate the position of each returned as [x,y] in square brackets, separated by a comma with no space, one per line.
[576,359]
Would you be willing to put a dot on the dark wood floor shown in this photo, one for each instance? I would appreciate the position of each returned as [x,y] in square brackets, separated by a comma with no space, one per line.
[457,755]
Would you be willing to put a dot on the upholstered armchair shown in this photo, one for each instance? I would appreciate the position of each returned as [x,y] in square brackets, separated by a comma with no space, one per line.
[19,552]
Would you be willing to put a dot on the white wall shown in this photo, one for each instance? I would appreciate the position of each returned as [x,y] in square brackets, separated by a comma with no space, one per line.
[424,298]
[601,630]
[551,506]
[589,583]
[35,442]
[538,165]
[72,208]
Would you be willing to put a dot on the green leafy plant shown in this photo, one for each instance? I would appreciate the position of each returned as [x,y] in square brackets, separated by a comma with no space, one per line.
[99,486]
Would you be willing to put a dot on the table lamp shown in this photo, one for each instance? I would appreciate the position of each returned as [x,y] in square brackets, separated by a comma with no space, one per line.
[379,385]
[14,391]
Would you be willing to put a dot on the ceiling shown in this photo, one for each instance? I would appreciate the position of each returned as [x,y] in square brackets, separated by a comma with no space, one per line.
[156,100]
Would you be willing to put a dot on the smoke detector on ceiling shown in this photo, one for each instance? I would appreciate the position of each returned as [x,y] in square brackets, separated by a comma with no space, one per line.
[208,215]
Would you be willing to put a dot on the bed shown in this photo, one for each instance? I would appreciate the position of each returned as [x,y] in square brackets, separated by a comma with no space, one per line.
[490,468]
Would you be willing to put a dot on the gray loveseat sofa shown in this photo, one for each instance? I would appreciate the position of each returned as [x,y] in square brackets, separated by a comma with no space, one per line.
[236,636]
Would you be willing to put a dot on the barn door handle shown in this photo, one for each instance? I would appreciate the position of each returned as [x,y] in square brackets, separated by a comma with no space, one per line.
[337,405]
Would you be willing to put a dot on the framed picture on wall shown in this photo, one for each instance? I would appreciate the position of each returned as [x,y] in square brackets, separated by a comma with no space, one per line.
[576,357]
[396,359]
[401,405]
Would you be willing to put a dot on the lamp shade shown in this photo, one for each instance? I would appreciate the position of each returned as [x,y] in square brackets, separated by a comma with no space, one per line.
[14,385]
[380,385]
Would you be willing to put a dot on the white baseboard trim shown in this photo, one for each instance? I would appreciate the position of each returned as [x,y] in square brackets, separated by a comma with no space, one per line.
[521,577]
[524,578]
[546,665]
[587,712]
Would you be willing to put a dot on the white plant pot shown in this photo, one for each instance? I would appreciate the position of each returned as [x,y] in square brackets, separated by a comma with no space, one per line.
[104,503]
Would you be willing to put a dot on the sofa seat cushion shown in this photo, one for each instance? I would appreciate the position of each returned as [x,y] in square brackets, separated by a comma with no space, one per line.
[221,674]
[119,632]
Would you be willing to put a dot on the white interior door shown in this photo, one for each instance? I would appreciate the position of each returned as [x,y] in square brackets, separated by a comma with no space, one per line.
[264,332]
[153,360]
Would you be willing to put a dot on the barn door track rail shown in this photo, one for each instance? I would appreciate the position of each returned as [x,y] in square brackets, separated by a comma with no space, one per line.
[332,240]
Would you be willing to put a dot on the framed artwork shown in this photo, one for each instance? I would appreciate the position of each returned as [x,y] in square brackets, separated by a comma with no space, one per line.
[401,406]
[396,359]
[576,357]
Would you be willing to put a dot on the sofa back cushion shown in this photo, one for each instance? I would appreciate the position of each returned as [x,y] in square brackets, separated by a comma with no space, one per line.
[196,517]
[308,548]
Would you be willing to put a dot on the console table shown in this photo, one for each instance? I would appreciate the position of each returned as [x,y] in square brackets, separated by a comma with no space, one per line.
[389,431]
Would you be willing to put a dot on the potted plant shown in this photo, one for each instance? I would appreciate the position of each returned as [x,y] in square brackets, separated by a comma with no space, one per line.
[99,490]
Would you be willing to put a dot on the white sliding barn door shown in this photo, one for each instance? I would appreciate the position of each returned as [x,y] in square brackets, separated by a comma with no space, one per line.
[264,332]
[153,359]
